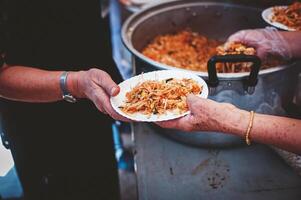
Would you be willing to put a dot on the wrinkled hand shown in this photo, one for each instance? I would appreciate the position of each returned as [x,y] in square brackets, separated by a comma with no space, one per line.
[205,115]
[266,41]
[98,86]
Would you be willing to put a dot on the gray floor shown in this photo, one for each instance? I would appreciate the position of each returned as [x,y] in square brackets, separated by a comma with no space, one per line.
[127,180]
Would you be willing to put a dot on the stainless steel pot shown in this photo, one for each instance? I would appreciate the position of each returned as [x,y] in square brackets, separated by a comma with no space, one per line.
[267,92]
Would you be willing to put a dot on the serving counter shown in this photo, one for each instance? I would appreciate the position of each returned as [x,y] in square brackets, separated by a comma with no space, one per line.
[167,170]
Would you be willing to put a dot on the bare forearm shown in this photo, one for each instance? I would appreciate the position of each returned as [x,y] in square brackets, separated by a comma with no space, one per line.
[29,84]
[282,132]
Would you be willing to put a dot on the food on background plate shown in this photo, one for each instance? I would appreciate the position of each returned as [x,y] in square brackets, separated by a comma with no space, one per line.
[289,16]
[189,50]
[158,97]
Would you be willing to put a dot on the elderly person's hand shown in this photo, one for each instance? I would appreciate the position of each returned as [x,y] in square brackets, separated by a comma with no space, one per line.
[208,115]
[98,86]
[267,42]
[205,115]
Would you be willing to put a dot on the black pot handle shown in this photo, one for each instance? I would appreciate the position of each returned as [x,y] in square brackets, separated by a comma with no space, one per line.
[250,82]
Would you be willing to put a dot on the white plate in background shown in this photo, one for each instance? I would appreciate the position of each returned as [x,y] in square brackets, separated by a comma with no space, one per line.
[129,84]
[267,15]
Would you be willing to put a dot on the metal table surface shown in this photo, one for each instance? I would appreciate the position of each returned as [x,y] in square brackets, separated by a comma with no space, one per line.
[168,170]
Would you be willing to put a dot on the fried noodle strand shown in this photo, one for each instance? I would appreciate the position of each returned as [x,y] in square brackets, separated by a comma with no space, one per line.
[190,50]
[158,97]
[290,16]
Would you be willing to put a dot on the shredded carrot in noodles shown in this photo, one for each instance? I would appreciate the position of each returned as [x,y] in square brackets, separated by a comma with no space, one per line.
[191,50]
[158,97]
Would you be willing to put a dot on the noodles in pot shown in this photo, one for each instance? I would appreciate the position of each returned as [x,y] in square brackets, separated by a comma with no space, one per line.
[190,50]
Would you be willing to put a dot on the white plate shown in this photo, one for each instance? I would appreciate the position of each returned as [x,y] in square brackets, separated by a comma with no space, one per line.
[267,15]
[129,84]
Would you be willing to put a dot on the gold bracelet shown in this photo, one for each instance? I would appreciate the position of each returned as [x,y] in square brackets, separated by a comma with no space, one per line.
[248,140]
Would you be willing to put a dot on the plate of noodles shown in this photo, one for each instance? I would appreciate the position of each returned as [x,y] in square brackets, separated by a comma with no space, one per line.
[284,17]
[158,95]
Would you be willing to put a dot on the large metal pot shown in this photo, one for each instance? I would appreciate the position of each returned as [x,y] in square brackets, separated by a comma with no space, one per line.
[275,86]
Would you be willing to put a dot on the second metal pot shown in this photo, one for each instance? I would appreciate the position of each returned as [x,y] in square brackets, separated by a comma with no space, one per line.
[269,93]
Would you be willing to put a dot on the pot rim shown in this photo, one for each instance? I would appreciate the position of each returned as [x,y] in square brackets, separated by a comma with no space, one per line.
[136,19]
